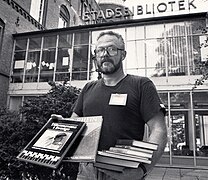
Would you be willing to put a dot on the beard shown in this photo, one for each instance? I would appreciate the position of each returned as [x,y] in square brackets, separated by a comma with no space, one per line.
[107,66]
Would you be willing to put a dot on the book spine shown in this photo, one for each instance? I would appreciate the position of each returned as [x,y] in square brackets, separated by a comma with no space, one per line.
[109,166]
[128,157]
[132,152]
[135,148]
[142,144]
[116,161]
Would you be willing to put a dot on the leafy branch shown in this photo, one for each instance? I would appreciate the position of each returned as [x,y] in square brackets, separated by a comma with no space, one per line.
[203,68]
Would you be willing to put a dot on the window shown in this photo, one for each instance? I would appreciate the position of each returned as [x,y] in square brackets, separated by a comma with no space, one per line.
[33,58]
[180,139]
[1,33]
[64,58]
[19,60]
[176,44]
[15,103]
[48,59]
[80,56]
[173,49]
[200,102]
[64,18]
[83,8]
[38,10]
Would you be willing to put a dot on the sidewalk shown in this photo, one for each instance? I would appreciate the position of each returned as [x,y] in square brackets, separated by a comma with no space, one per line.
[162,173]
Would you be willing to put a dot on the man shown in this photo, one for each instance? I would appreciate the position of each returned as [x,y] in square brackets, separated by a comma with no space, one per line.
[126,103]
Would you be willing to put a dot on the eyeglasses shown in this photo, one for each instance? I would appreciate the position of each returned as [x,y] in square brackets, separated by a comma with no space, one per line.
[111,50]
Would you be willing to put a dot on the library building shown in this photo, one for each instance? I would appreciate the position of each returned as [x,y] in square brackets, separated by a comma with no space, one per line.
[166,41]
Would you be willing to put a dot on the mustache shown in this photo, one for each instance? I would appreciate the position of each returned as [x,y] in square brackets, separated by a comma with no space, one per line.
[106,60]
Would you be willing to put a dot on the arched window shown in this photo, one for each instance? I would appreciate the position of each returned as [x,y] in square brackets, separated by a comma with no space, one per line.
[64,18]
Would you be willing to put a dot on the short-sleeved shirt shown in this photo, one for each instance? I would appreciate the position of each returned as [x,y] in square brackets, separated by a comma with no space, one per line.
[125,120]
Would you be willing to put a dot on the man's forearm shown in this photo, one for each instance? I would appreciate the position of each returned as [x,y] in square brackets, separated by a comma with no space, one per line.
[159,138]
[158,135]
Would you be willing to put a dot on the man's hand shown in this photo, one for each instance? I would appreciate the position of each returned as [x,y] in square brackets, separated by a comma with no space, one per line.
[127,174]
[57,116]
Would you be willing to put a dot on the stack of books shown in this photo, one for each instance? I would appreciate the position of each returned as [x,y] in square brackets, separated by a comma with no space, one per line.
[126,153]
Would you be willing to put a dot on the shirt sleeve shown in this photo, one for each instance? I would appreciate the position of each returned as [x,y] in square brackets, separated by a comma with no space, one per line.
[151,104]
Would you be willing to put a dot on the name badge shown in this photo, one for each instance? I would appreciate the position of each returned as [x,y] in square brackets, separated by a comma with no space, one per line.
[118,99]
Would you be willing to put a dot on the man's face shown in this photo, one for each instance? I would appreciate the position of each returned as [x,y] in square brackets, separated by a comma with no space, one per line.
[109,54]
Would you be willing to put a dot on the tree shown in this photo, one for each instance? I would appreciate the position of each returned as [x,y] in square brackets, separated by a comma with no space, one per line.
[203,67]
[15,134]
[59,100]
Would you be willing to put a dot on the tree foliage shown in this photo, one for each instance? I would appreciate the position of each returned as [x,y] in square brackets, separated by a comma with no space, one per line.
[202,67]
[17,129]
[59,100]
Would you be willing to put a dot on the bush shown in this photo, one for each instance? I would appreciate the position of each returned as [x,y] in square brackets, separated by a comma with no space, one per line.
[59,100]
[15,134]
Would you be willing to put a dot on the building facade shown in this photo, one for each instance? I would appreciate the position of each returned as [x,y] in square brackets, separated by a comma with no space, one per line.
[18,16]
[166,42]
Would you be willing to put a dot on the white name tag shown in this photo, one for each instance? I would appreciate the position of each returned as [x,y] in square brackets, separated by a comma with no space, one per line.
[118,99]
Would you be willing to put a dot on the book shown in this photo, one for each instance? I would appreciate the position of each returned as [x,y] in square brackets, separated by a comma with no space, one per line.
[116,161]
[136,158]
[109,166]
[125,156]
[132,142]
[130,152]
[86,151]
[136,148]
[52,142]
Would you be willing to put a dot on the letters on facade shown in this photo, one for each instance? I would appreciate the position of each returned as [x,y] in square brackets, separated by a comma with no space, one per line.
[154,8]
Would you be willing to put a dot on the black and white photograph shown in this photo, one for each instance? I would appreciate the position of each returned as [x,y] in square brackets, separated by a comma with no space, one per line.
[52,140]
[140,65]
